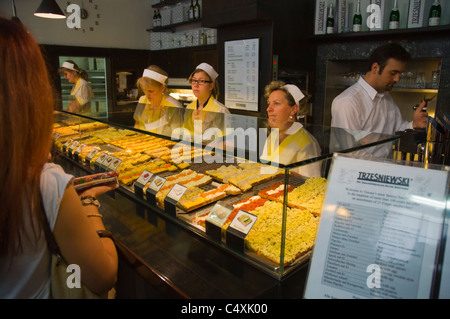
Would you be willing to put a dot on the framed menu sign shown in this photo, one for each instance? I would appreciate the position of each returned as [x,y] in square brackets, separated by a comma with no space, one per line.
[380,231]
[241,74]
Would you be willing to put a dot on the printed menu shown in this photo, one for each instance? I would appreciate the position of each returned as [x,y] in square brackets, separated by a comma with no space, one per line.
[241,74]
[380,230]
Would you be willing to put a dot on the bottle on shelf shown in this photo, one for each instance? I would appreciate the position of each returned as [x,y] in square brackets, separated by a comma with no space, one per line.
[197,10]
[191,11]
[394,17]
[154,19]
[158,19]
[357,18]
[204,38]
[435,14]
[330,20]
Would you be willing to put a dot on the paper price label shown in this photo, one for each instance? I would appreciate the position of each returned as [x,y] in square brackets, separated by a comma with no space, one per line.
[91,154]
[243,222]
[114,164]
[80,148]
[101,158]
[144,178]
[177,192]
[157,183]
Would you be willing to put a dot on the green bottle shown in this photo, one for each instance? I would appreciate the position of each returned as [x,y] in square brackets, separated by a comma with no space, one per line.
[435,14]
[330,20]
[394,18]
[357,18]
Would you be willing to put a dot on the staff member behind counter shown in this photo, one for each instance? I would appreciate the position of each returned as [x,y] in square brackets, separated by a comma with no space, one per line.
[289,142]
[367,105]
[81,94]
[157,111]
[205,108]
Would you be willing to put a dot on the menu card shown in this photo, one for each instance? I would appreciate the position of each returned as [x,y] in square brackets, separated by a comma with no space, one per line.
[241,74]
[380,231]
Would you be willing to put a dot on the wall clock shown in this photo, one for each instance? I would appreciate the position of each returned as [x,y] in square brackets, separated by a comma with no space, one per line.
[89,14]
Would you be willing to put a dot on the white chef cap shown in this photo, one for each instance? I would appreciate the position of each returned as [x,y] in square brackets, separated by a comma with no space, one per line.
[209,70]
[295,92]
[68,65]
[158,77]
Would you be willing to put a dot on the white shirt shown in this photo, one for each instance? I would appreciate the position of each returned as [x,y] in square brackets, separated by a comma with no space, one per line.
[29,274]
[360,107]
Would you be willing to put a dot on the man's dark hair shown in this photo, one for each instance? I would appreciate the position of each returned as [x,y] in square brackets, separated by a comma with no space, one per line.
[386,51]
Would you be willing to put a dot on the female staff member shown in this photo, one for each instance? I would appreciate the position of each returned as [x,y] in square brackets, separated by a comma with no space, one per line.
[205,108]
[24,256]
[288,141]
[157,111]
[81,91]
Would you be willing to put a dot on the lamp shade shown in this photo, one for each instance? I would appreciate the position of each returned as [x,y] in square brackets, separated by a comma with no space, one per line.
[49,9]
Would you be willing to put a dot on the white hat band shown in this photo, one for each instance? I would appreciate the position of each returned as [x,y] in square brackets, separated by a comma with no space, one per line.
[295,92]
[155,76]
[68,65]
[209,70]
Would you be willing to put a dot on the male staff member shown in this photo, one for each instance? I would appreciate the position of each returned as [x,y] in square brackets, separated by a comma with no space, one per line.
[368,106]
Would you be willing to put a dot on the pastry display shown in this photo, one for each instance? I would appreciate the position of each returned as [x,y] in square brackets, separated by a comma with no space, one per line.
[188,178]
[309,195]
[139,152]
[195,197]
[84,127]
[248,205]
[245,175]
[265,236]
[275,192]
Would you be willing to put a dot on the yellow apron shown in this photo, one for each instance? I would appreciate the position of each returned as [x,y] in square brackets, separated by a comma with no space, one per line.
[211,116]
[161,119]
[298,145]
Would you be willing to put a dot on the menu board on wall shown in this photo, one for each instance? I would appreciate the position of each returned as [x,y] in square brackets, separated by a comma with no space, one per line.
[241,74]
[380,231]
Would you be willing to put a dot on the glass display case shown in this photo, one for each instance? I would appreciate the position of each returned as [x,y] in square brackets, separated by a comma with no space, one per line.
[221,182]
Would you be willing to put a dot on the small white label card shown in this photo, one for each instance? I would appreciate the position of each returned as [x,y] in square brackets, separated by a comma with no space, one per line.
[177,192]
[243,222]
[114,163]
[379,232]
[80,148]
[157,183]
[219,214]
[101,158]
[144,178]
[73,146]
[91,154]
[56,135]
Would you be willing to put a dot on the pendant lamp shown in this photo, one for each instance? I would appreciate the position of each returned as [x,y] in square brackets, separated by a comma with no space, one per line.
[49,9]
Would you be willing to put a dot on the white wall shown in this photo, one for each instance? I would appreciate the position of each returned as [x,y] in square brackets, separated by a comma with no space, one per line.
[122,24]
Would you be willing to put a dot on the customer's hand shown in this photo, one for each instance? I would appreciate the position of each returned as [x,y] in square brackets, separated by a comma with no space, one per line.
[97,191]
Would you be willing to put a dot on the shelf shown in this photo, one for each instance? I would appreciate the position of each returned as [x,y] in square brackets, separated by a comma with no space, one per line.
[172,27]
[400,90]
[165,3]
[437,30]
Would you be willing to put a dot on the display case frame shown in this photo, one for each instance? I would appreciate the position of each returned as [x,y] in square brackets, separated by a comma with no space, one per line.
[236,244]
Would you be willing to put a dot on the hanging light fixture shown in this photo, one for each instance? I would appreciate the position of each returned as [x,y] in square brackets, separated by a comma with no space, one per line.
[49,9]
[15,17]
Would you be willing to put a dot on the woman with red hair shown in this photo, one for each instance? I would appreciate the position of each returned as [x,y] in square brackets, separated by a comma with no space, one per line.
[29,180]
